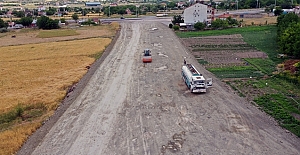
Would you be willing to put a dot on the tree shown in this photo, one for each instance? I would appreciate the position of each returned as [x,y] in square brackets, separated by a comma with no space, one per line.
[19,13]
[289,41]
[283,22]
[122,11]
[171,5]
[75,17]
[175,27]
[177,19]
[26,21]
[232,21]
[199,26]
[46,23]
[62,20]
[2,23]
[219,23]
[278,11]
[84,12]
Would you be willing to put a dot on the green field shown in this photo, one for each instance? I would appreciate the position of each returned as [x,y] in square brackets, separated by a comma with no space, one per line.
[236,72]
[261,37]
[266,66]
[277,95]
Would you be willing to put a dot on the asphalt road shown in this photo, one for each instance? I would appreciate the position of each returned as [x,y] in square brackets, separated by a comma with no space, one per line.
[128,107]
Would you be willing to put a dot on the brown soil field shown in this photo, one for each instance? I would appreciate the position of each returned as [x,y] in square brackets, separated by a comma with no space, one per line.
[37,73]
[225,50]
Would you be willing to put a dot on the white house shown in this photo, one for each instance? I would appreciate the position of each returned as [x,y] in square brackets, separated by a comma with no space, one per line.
[195,13]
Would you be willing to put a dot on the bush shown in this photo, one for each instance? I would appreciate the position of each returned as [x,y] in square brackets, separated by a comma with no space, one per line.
[63,20]
[3,30]
[176,27]
[199,26]
[170,25]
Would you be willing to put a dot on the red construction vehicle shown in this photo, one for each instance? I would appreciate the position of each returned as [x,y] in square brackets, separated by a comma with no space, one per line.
[147,58]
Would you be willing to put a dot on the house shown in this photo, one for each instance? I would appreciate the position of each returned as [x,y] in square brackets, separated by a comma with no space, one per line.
[34,23]
[195,13]
[224,16]
[181,4]
[91,4]
[128,11]
[113,4]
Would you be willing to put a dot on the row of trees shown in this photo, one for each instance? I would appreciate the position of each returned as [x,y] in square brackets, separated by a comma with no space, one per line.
[3,24]
[246,4]
[25,21]
[43,22]
[159,5]
[288,38]
[216,24]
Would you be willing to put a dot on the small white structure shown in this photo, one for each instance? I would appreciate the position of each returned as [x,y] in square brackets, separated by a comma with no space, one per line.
[195,13]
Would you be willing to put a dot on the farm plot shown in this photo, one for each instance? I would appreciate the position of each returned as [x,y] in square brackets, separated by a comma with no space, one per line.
[225,52]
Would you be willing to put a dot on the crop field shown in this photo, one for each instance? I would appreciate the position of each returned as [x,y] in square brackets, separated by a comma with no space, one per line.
[246,59]
[35,78]
[224,51]
[56,33]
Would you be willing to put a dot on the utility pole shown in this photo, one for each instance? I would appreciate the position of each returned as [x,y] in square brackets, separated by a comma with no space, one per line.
[237,4]
[109,8]
[137,6]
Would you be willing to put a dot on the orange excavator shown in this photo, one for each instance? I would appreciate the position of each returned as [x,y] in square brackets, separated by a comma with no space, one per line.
[147,58]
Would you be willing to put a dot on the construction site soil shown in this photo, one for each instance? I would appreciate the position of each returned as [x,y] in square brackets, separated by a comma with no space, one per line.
[123,106]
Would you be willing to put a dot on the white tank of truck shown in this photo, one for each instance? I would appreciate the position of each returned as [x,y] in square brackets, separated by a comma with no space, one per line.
[193,79]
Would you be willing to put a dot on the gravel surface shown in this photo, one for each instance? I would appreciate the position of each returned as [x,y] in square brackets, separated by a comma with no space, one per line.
[123,106]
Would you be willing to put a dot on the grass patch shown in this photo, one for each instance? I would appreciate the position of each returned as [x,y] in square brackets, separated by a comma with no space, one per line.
[56,33]
[283,86]
[21,113]
[28,30]
[202,62]
[264,39]
[236,72]
[239,46]
[266,66]
[236,89]
[229,31]
[279,107]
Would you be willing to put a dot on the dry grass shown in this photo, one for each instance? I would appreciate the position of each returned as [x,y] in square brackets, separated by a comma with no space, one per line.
[40,74]
[11,140]
[259,21]
[56,33]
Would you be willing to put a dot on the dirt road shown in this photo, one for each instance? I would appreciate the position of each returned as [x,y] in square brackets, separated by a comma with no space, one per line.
[131,108]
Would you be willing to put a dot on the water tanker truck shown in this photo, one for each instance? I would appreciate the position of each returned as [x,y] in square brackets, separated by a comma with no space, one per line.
[193,79]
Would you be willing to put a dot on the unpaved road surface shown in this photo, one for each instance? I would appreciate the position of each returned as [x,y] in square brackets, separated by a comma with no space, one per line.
[131,108]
